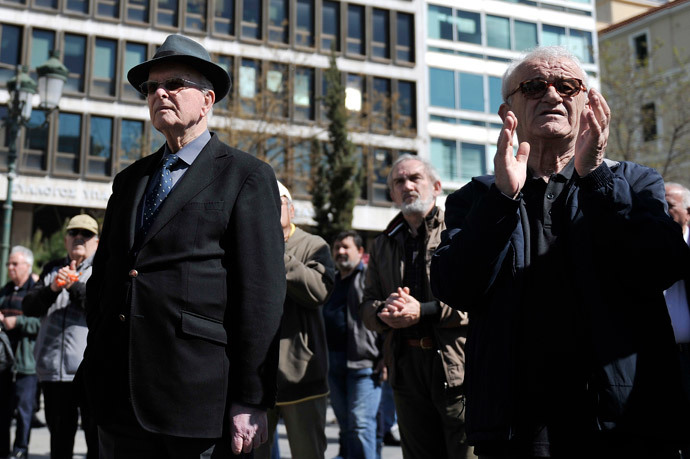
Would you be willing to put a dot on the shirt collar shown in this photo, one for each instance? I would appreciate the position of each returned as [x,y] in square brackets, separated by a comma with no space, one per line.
[563,176]
[189,152]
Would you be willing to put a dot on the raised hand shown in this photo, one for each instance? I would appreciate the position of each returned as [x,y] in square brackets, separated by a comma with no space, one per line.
[594,134]
[510,169]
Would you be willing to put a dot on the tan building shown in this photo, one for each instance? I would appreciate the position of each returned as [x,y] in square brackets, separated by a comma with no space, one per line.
[614,11]
[644,63]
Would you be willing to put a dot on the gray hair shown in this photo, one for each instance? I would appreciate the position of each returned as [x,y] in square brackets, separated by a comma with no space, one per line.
[429,169]
[544,53]
[684,192]
[28,254]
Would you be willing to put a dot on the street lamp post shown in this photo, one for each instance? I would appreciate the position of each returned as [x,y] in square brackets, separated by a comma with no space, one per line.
[51,79]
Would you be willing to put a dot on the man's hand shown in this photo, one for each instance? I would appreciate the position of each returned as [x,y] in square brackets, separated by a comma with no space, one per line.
[249,428]
[65,277]
[594,134]
[401,309]
[510,169]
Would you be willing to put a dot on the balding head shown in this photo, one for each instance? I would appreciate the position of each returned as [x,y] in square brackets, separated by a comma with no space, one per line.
[678,198]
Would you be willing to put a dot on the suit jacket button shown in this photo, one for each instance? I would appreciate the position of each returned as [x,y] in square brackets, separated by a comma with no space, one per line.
[133,273]
[122,317]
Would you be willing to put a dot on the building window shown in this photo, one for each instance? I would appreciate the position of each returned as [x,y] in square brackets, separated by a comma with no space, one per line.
[580,44]
[453,167]
[444,158]
[274,154]
[69,143]
[380,45]
[641,50]
[138,11]
[135,53]
[10,50]
[42,43]
[404,46]
[649,125]
[132,142]
[553,35]
[495,94]
[498,32]
[51,4]
[441,88]
[103,70]
[525,35]
[405,106]
[75,61]
[166,13]
[248,88]
[381,118]
[77,6]
[472,160]
[330,26]
[382,161]
[195,15]
[101,150]
[278,30]
[226,62]
[108,8]
[304,33]
[276,98]
[440,22]
[251,19]
[355,30]
[224,17]
[469,26]
[301,168]
[35,152]
[354,99]
[471,90]
[303,94]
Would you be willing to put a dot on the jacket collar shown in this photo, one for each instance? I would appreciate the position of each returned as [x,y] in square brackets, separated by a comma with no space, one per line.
[431,221]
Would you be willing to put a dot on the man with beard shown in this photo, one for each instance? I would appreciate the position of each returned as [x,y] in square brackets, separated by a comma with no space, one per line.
[353,353]
[424,348]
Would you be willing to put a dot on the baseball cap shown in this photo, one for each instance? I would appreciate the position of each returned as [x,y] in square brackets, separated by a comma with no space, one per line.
[83,221]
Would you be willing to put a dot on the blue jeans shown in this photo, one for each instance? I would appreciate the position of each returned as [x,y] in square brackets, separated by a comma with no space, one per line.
[355,397]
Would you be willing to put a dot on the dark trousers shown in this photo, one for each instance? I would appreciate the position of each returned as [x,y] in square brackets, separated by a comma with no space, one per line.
[431,417]
[17,396]
[63,403]
[133,442]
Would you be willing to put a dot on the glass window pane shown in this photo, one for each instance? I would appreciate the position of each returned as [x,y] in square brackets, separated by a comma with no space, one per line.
[251,19]
[304,94]
[78,6]
[132,140]
[10,47]
[581,45]
[495,96]
[138,10]
[525,35]
[498,32]
[405,37]
[167,13]
[330,31]
[108,8]
[274,149]
[226,62]
[444,158]
[406,105]
[469,27]
[225,17]
[36,142]
[74,60]
[69,133]
[355,29]
[441,88]
[135,53]
[440,22]
[382,162]
[52,4]
[248,84]
[381,104]
[472,160]
[101,138]
[354,92]
[104,67]
[552,35]
[301,161]
[278,21]
[42,43]
[195,18]
[304,35]
[471,92]
[380,45]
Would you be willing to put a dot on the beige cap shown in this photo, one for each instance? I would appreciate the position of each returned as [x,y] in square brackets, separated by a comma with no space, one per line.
[283,191]
[83,221]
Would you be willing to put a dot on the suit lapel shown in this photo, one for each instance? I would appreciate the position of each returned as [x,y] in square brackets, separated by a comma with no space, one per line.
[211,161]
[138,188]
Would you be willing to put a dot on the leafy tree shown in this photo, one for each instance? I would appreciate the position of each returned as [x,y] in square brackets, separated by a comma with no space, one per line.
[335,185]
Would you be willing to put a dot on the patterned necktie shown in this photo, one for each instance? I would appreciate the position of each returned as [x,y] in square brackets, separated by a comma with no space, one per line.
[159,191]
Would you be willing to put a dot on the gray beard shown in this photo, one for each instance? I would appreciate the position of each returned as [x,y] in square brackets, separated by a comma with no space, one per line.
[345,265]
[418,206]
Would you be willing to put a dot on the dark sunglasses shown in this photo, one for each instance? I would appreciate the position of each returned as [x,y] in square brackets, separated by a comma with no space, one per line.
[170,85]
[537,87]
[86,234]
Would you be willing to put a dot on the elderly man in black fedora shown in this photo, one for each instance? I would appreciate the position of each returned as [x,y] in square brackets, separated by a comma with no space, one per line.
[188,282]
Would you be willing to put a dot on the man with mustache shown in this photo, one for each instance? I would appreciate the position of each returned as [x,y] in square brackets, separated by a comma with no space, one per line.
[561,259]
[423,348]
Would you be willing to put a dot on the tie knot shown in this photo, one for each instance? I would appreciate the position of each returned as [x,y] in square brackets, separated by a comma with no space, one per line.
[170,161]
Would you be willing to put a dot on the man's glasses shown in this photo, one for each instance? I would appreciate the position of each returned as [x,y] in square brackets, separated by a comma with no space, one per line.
[86,234]
[170,85]
[537,87]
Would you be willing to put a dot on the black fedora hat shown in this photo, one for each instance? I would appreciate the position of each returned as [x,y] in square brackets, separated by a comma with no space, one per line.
[183,50]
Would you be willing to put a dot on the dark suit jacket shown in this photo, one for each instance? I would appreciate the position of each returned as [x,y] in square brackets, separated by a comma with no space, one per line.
[185,321]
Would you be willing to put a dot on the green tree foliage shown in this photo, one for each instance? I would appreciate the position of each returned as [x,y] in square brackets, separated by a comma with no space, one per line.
[47,248]
[335,185]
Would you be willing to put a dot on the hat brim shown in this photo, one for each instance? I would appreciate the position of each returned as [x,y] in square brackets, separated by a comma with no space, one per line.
[216,74]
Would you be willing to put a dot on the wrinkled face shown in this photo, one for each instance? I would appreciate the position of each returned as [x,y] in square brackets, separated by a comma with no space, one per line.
[179,110]
[346,254]
[287,212]
[412,190]
[676,210]
[80,244]
[18,269]
[552,116]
